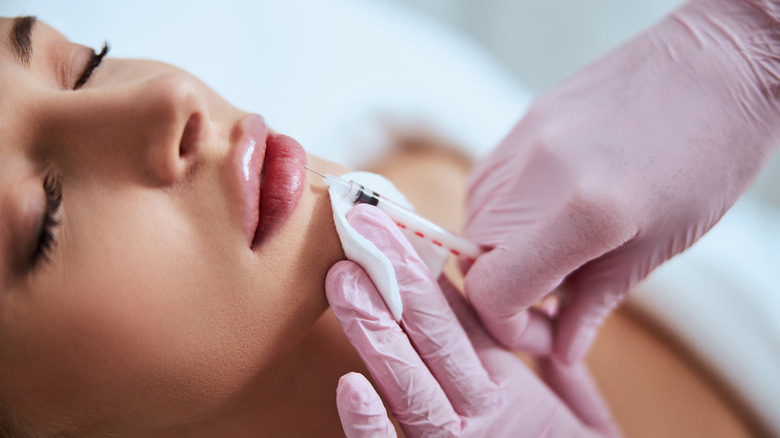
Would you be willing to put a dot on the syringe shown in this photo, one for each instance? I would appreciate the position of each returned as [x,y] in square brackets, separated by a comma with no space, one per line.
[406,219]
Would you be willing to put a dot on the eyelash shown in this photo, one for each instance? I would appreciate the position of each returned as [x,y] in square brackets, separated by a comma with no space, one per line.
[52,185]
[93,63]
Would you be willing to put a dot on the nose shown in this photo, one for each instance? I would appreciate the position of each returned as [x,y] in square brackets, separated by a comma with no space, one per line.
[148,130]
[174,115]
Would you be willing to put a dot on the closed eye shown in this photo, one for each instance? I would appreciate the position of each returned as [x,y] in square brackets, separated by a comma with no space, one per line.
[94,63]
[46,237]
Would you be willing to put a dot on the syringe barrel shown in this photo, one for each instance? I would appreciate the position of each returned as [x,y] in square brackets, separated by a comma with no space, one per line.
[356,193]
[421,227]
[350,190]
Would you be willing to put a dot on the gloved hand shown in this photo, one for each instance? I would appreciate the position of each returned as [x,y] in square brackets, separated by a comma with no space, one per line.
[619,168]
[441,374]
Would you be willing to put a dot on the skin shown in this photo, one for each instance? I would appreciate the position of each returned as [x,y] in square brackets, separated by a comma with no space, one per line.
[154,319]
[154,311]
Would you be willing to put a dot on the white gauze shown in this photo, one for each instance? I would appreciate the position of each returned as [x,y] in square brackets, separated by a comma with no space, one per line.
[363,252]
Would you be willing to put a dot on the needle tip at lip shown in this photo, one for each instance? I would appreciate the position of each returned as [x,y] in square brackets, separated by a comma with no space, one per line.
[315,172]
[330,179]
[311,170]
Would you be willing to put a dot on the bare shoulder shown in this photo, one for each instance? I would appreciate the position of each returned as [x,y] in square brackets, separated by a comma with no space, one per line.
[656,388]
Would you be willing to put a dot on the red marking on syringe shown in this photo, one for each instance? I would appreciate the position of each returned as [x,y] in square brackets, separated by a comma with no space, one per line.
[421,235]
[357,193]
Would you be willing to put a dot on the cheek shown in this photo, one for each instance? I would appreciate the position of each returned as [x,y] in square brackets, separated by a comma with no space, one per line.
[156,307]
[156,311]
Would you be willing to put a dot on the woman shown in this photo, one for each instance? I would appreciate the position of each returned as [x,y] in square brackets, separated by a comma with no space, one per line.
[143,293]
[73,183]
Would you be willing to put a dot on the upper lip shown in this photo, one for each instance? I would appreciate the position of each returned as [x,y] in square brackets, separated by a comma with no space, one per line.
[249,138]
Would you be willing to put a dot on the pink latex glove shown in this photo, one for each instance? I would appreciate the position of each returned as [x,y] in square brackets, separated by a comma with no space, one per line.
[621,167]
[440,372]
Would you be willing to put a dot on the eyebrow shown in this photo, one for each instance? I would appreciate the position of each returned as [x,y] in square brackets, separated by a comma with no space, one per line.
[20,38]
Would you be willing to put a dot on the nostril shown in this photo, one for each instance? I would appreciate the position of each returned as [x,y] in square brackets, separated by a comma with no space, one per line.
[191,134]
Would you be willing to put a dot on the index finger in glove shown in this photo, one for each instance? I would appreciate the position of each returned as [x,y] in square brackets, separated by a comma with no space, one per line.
[361,410]
[411,391]
[428,320]
[577,389]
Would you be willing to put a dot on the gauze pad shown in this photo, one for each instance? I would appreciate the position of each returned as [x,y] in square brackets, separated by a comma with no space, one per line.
[361,251]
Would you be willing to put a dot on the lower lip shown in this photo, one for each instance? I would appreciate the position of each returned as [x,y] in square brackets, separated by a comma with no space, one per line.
[282,185]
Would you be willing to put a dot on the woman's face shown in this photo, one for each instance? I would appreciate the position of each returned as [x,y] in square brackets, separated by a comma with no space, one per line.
[157,300]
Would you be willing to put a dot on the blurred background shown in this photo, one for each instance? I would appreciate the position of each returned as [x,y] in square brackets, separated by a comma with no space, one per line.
[721,297]
[542,42]
[342,75]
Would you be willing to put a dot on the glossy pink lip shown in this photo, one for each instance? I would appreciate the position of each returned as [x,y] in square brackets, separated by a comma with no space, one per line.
[249,150]
[282,184]
[270,167]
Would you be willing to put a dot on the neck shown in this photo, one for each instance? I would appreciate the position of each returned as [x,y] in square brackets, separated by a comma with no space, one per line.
[294,397]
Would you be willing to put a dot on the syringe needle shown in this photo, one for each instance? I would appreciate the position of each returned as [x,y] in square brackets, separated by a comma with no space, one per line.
[314,171]
[325,177]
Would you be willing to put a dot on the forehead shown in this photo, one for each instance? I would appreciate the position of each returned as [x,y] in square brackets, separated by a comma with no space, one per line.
[9,75]
[6,81]
[14,37]
[18,79]
[6,47]
[42,35]
[5,25]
